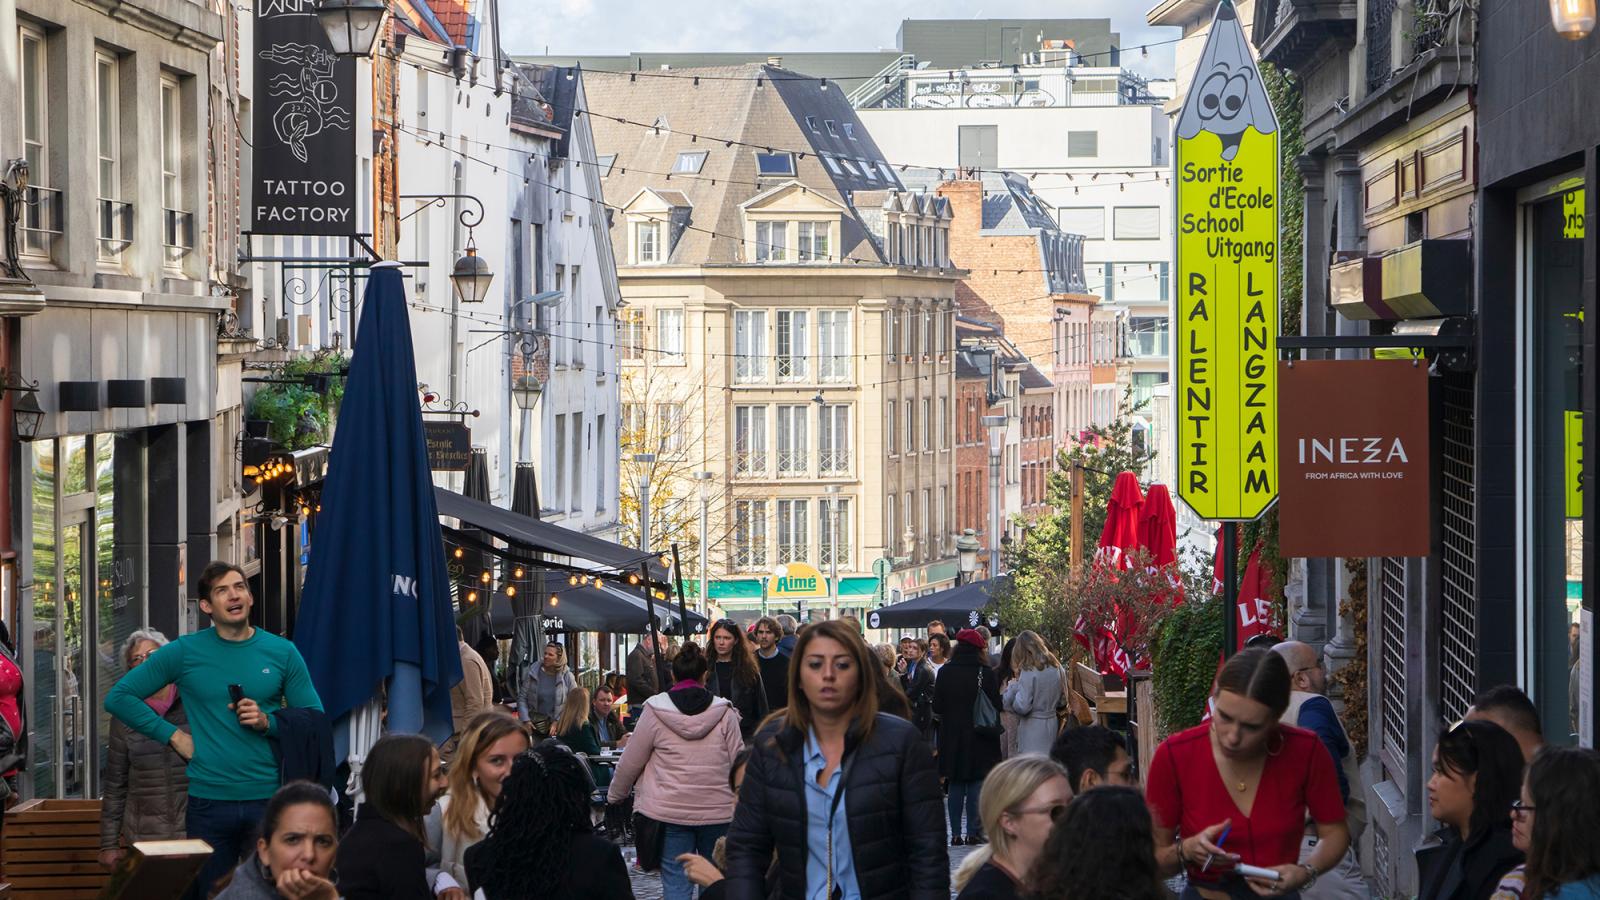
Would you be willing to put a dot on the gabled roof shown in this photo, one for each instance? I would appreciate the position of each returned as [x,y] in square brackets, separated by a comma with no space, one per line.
[669,199]
[729,103]
[791,186]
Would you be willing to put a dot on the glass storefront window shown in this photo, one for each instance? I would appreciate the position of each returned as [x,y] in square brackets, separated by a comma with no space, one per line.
[119,559]
[1554,283]
[42,678]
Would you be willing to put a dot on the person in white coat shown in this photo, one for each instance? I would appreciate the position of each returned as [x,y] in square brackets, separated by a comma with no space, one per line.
[1034,693]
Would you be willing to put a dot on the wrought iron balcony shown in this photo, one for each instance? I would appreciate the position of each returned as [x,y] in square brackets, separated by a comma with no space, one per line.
[41,221]
[116,227]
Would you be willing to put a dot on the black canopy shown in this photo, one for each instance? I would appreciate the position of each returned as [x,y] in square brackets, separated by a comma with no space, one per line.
[529,533]
[612,609]
[960,607]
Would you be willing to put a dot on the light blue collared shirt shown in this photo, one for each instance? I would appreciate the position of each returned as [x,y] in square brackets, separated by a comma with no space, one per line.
[819,803]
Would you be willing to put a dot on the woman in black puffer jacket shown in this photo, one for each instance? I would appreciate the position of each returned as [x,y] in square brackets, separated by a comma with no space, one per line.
[835,767]
[735,677]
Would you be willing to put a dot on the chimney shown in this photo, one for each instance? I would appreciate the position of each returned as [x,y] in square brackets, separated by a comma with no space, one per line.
[775,61]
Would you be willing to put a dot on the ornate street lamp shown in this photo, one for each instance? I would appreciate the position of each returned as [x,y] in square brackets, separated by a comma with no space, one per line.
[471,276]
[1574,19]
[527,391]
[26,416]
[353,26]
[967,548]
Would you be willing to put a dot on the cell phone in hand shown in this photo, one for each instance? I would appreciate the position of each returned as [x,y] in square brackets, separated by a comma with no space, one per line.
[235,694]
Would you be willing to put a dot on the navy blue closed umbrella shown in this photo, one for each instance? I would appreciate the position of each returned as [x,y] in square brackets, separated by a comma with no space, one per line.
[376,604]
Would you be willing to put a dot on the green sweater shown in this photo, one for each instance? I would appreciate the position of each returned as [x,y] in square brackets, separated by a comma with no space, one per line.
[231,761]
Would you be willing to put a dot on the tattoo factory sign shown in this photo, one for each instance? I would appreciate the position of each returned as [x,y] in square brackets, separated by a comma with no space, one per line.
[304,180]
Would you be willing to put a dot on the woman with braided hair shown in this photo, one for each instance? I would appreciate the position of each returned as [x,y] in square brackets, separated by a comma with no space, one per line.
[541,843]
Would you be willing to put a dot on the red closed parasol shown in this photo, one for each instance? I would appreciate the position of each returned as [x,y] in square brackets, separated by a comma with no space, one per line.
[1118,539]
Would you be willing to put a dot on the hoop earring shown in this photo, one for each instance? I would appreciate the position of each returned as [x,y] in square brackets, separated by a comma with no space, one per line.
[1281,742]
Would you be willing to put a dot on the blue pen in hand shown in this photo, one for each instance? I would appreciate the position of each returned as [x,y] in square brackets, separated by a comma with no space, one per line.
[1221,839]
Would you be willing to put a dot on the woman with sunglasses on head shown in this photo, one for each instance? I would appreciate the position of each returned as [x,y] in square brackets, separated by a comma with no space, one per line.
[1100,849]
[735,677]
[1240,789]
[1477,773]
[1022,798]
[847,795]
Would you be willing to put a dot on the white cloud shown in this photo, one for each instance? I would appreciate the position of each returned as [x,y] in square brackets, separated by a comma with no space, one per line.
[618,26]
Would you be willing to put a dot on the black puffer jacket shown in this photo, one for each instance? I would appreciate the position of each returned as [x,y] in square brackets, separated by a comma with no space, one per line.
[749,698]
[146,786]
[965,755]
[892,799]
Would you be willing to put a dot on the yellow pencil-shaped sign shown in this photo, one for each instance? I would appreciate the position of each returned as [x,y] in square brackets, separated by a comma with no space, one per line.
[1226,290]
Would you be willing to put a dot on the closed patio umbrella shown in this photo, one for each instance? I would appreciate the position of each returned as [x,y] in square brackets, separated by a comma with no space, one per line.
[1118,539]
[376,608]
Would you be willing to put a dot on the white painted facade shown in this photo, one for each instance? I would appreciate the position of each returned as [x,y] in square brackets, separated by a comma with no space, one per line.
[459,355]
[559,240]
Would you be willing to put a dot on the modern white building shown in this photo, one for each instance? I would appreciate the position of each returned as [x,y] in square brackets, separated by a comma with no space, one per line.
[1095,143]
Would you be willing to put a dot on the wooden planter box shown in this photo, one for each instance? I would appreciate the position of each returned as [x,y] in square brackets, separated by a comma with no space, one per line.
[51,850]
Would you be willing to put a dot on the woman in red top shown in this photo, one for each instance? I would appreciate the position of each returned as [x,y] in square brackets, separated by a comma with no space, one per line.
[1241,788]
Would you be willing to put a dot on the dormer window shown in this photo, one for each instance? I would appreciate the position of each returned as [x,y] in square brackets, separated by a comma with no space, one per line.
[606,163]
[813,237]
[647,242]
[849,166]
[832,164]
[811,123]
[832,130]
[689,163]
[774,164]
[850,130]
[772,241]
[869,170]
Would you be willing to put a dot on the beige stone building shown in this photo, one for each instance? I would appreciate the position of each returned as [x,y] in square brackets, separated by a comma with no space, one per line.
[787,339]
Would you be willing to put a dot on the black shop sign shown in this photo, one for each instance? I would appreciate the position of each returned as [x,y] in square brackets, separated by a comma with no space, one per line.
[304,180]
[449,445]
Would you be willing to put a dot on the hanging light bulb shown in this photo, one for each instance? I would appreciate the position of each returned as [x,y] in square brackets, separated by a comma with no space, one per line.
[519,572]
[633,579]
[459,552]
[554,600]
[1574,19]
[472,596]
[511,590]
[598,584]
[484,578]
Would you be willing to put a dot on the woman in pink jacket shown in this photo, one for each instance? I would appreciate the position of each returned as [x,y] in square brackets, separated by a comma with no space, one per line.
[677,765]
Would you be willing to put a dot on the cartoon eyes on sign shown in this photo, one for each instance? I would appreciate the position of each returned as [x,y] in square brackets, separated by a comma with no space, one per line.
[1222,95]
[1227,97]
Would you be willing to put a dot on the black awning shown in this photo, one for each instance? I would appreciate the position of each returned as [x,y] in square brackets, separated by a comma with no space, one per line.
[960,607]
[543,537]
[618,609]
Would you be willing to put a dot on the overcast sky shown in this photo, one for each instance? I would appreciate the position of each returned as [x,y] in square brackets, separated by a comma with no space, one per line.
[618,26]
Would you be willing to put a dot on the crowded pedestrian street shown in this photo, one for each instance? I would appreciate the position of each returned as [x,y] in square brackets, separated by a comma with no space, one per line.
[595,450]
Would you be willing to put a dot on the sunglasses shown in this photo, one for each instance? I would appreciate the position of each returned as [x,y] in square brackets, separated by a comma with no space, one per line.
[1518,808]
[1053,810]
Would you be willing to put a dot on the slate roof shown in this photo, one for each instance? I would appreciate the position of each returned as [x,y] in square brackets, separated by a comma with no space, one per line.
[729,103]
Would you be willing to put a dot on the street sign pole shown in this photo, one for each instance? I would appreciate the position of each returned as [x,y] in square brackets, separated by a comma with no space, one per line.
[1230,588]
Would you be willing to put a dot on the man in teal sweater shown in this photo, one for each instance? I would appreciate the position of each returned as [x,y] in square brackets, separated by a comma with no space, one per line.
[232,771]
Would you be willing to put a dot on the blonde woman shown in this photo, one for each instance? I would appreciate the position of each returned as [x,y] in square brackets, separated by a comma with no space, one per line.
[1034,693]
[544,688]
[1022,797]
[460,818]
[574,728]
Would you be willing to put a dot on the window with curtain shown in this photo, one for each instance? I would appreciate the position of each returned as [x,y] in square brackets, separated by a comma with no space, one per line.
[750,345]
[750,440]
[833,345]
[669,336]
[833,438]
[792,451]
[792,345]
[794,543]
[750,535]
